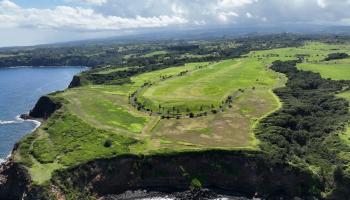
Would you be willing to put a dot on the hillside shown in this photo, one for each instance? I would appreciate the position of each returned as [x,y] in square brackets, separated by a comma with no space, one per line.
[273,121]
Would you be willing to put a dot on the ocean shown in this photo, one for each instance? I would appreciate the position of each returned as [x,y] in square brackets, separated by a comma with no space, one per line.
[20,88]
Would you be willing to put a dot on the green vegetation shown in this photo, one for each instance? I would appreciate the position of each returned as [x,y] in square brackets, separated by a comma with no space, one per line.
[196,99]
[155,53]
[304,132]
[336,56]
[335,71]
[207,88]
[98,121]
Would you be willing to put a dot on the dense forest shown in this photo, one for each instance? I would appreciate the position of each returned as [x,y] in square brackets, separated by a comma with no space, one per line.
[140,54]
[304,131]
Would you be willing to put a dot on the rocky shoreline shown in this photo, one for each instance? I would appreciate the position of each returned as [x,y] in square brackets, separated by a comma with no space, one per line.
[198,194]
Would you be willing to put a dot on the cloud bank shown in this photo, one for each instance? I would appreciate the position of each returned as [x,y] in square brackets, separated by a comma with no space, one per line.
[63,18]
[77,18]
[103,15]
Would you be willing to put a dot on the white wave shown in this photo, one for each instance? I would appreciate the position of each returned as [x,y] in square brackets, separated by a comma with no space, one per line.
[18,67]
[37,123]
[8,122]
[18,118]
[158,198]
[4,160]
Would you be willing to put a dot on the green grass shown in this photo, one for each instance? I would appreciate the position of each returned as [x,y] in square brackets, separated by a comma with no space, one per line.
[104,108]
[111,70]
[231,129]
[155,53]
[335,71]
[313,52]
[93,114]
[66,140]
[208,86]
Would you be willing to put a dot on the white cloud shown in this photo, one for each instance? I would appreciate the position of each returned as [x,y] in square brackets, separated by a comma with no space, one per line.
[322,3]
[234,3]
[249,15]
[226,16]
[100,15]
[93,2]
[6,4]
[71,18]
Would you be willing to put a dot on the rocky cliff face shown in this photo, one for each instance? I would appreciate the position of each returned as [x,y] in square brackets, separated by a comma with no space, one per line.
[13,181]
[76,82]
[244,173]
[45,107]
[239,172]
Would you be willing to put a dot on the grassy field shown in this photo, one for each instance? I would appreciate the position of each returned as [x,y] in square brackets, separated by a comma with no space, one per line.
[95,114]
[313,54]
[111,70]
[155,53]
[98,121]
[208,87]
[335,70]
[231,129]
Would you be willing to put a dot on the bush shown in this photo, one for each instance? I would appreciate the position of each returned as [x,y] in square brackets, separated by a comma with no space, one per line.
[108,143]
[196,184]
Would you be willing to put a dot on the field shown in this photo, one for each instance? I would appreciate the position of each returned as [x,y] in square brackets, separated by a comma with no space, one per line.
[335,70]
[99,121]
[208,87]
[313,55]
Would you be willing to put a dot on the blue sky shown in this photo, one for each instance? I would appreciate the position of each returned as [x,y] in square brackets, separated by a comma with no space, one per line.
[27,22]
[39,3]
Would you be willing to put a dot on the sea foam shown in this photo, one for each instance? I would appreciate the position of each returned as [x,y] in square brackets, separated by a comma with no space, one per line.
[158,198]
[8,122]
[2,160]
[36,122]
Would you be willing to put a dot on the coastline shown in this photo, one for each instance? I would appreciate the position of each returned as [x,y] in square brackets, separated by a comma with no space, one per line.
[26,117]
[2,161]
[19,119]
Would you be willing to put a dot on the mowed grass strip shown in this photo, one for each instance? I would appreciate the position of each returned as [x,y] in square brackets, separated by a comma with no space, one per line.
[209,86]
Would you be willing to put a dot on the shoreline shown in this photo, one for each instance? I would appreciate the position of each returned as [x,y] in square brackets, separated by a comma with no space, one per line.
[21,67]
[28,118]
[19,119]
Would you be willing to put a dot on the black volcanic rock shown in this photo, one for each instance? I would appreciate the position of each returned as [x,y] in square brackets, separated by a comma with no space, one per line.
[13,181]
[75,82]
[44,108]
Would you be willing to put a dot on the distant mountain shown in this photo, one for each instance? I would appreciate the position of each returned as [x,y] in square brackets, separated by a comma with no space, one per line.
[199,33]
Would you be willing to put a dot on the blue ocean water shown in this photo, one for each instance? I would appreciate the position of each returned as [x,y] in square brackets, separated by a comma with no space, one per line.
[20,88]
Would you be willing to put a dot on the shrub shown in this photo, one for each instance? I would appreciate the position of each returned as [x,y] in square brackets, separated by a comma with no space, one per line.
[196,184]
[108,143]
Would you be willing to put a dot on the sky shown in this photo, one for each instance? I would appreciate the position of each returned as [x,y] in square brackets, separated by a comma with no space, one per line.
[29,22]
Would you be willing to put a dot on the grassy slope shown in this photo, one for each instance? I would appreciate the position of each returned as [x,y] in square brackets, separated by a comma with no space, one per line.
[96,114]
